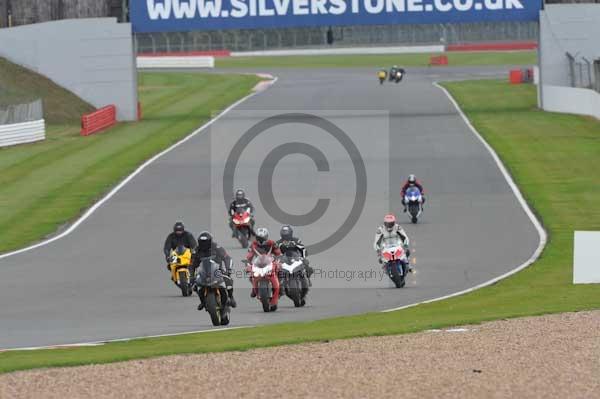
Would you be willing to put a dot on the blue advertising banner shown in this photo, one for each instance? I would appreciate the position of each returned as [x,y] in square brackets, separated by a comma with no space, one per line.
[186,15]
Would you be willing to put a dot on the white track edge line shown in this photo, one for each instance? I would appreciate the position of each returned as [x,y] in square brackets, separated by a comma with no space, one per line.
[543,236]
[127,179]
[100,343]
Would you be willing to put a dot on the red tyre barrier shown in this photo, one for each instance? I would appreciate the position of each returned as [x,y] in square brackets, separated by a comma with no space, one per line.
[515,76]
[438,60]
[98,120]
[493,46]
[212,53]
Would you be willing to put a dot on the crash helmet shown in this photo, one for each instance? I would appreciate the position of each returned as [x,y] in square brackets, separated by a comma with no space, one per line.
[262,235]
[204,242]
[286,232]
[240,195]
[389,221]
[178,228]
[412,179]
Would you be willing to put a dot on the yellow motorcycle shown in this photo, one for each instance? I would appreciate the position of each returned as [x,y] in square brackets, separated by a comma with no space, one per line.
[180,262]
[382,75]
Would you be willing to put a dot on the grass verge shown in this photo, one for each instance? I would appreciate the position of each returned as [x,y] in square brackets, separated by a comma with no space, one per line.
[553,157]
[378,60]
[19,85]
[47,184]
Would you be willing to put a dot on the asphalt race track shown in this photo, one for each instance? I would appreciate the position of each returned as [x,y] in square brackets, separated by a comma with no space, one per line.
[107,279]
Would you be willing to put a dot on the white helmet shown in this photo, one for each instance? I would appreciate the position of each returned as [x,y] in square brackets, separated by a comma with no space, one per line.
[262,234]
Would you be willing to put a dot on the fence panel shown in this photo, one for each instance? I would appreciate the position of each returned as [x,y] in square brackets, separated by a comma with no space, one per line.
[346,36]
[19,113]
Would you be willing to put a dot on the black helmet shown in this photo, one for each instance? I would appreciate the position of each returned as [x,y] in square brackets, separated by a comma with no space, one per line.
[204,242]
[178,228]
[286,232]
[262,235]
[240,195]
[412,179]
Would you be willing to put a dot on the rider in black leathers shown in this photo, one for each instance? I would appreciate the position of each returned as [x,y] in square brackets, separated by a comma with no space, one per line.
[207,247]
[239,204]
[290,245]
[179,237]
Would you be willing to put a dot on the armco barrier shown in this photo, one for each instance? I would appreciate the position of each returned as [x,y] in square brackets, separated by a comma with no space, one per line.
[211,53]
[98,120]
[438,60]
[21,133]
[176,62]
[341,51]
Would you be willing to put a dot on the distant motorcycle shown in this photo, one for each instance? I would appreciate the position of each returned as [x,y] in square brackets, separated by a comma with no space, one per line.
[395,261]
[382,75]
[180,261]
[263,275]
[242,222]
[294,278]
[399,75]
[414,202]
[211,287]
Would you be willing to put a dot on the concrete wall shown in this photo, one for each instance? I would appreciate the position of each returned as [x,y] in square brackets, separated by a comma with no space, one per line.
[34,11]
[93,58]
[573,28]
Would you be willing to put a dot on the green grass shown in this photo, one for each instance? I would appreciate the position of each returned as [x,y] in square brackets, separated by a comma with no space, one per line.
[553,157]
[47,184]
[378,61]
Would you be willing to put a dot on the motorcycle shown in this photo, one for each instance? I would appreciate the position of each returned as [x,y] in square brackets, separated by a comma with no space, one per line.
[395,261]
[263,275]
[242,222]
[414,202]
[294,279]
[392,74]
[212,290]
[180,261]
[382,75]
[399,75]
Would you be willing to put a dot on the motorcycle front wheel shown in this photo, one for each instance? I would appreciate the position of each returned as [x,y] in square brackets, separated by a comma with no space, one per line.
[213,309]
[263,294]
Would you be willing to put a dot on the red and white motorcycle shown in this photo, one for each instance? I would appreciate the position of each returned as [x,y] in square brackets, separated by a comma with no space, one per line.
[395,260]
[265,281]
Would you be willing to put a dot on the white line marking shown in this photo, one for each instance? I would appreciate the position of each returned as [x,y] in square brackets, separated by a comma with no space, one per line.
[537,224]
[99,343]
[108,196]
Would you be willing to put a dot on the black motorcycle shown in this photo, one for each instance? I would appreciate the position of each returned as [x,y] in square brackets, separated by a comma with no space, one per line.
[294,278]
[212,289]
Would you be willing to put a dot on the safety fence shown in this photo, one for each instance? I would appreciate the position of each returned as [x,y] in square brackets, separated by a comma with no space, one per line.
[584,73]
[341,36]
[18,113]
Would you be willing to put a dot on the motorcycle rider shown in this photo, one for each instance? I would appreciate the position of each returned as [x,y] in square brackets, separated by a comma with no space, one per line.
[260,246]
[239,204]
[179,237]
[391,229]
[288,244]
[411,182]
[208,247]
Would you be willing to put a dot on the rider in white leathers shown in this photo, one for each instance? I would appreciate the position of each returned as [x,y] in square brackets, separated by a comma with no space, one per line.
[390,229]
